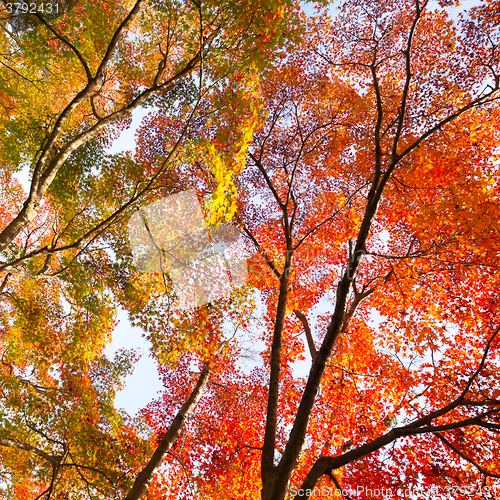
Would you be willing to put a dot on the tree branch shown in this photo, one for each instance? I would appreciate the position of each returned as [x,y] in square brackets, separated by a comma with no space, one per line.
[307,330]
[144,477]
[13,443]
[465,457]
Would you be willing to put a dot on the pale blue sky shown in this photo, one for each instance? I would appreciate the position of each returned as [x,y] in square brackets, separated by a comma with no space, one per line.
[143,384]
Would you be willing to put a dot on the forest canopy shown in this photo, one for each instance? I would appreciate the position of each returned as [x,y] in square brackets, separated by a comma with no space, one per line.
[305,230]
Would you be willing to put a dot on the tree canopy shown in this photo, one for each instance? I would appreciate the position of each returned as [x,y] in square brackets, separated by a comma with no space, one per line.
[352,149]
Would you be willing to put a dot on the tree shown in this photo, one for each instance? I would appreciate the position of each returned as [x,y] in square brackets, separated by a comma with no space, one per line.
[362,170]
[69,85]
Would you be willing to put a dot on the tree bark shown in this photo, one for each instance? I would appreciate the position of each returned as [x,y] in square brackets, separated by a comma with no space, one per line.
[267,460]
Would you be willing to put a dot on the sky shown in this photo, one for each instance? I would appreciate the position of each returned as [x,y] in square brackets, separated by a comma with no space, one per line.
[144,384]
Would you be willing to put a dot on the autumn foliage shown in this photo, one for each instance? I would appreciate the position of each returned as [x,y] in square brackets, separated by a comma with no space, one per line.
[354,147]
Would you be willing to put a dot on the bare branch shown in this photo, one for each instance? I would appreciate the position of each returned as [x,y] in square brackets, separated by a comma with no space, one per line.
[465,457]
[307,330]
[67,42]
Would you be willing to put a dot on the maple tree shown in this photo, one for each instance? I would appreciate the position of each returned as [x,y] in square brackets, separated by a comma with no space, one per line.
[361,169]
[69,85]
